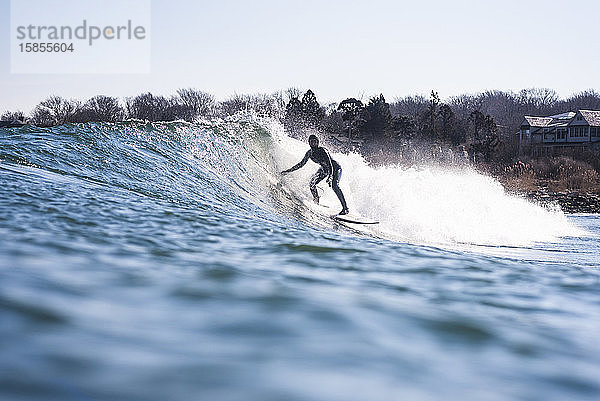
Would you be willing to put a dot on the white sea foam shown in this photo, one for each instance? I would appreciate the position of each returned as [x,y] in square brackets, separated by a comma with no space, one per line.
[427,204]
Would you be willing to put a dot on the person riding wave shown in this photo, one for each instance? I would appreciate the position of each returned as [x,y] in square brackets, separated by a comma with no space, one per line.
[329,169]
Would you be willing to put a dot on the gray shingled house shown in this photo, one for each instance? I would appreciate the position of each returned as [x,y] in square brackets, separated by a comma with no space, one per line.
[565,133]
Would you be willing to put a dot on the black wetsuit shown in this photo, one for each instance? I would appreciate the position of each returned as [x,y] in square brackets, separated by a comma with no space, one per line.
[328,167]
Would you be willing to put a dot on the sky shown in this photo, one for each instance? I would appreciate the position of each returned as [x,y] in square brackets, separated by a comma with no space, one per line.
[341,49]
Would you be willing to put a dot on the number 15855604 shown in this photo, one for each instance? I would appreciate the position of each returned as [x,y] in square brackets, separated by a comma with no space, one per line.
[46,47]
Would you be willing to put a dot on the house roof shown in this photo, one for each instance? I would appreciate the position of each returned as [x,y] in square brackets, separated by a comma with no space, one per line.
[592,117]
[538,121]
[563,116]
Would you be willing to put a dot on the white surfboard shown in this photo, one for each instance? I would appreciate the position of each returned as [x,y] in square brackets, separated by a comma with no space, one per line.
[353,218]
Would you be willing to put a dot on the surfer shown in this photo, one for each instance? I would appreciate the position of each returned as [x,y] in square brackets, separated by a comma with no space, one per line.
[329,169]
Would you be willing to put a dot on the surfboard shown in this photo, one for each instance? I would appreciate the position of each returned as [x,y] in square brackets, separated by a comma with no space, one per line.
[353,218]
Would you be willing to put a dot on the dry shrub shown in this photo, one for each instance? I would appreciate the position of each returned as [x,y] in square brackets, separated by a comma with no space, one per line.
[580,179]
[568,174]
[559,174]
[520,176]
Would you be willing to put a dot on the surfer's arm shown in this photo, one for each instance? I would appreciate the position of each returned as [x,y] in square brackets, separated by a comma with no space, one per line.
[297,166]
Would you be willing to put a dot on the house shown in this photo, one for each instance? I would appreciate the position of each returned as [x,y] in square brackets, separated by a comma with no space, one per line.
[564,133]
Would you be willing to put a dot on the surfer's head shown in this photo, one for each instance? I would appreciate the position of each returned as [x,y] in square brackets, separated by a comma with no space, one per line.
[313,141]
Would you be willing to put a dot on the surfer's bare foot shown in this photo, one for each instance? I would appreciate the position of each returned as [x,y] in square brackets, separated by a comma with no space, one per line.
[316,200]
[344,211]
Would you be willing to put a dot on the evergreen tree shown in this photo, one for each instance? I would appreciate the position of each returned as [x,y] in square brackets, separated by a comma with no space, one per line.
[378,118]
[403,127]
[477,123]
[293,115]
[484,139]
[447,121]
[429,126]
[312,112]
[352,112]
[350,108]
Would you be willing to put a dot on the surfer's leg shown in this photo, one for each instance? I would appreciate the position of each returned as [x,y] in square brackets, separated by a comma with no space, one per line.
[316,178]
[335,185]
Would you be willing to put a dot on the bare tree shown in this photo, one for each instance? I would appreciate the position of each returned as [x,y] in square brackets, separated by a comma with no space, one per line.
[292,93]
[103,108]
[42,117]
[262,104]
[152,108]
[13,116]
[538,100]
[195,103]
[464,105]
[55,111]
[412,106]
[588,99]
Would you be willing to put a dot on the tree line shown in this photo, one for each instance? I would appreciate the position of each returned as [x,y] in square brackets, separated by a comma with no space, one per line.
[188,105]
[485,123]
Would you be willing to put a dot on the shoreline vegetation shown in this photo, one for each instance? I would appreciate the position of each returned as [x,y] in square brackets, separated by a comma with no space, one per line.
[480,130]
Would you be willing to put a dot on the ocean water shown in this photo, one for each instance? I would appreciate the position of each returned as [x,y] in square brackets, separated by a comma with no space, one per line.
[170,261]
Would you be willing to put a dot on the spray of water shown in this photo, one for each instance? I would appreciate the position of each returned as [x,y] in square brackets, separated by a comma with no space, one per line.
[425,204]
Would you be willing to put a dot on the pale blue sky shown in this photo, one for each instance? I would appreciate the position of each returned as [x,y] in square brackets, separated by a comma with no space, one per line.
[343,48]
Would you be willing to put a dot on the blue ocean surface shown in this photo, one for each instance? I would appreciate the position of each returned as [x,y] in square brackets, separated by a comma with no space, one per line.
[171,261]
